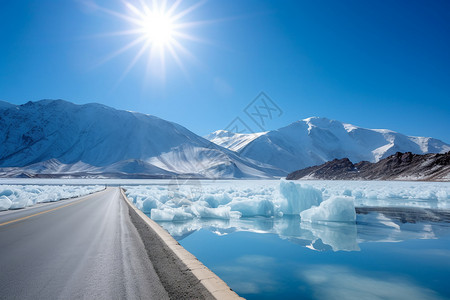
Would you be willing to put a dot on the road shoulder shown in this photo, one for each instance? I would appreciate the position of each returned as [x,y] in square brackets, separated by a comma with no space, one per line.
[182,275]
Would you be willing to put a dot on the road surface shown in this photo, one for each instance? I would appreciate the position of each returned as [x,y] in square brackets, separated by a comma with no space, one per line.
[80,248]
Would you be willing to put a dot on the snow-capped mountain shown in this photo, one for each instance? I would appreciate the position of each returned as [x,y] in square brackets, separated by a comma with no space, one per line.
[232,141]
[58,137]
[313,141]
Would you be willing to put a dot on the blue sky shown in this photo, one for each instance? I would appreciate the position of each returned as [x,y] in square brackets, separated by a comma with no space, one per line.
[375,64]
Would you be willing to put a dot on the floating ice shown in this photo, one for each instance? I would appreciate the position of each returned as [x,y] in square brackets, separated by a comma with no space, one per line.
[170,214]
[252,207]
[222,212]
[335,209]
[227,199]
[5,203]
[298,197]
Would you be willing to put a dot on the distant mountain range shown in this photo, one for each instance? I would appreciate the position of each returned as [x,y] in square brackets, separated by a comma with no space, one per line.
[54,138]
[313,141]
[400,166]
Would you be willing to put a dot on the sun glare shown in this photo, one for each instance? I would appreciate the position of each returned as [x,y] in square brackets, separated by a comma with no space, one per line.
[157,28]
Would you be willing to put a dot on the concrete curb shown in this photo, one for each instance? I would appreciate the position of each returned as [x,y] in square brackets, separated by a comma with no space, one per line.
[216,286]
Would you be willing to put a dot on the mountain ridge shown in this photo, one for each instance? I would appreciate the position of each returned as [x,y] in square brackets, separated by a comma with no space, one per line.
[313,141]
[60,138]
[55,135]
[400,166]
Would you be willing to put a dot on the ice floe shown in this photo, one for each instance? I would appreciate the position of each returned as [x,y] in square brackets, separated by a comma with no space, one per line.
[270,198]
[335,209]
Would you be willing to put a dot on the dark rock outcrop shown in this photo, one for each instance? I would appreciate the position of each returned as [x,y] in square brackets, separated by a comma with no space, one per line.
[400,166]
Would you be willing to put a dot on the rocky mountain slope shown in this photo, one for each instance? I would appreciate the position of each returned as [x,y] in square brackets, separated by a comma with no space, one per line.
[400,166]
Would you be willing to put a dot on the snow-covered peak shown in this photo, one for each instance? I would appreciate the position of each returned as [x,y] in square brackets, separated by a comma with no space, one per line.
[231,140]
[314,140]
[317,120]
[111,140]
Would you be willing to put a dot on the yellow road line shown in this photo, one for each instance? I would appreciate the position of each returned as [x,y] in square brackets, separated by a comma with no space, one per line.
[43,212]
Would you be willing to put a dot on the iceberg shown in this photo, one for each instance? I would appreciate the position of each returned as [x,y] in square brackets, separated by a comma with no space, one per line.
[298,197]
[335,209]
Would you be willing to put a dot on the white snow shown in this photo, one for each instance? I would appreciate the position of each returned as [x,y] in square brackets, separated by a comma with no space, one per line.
[59,137]
[21,196]
[335,209]
[314,140]
[231,140]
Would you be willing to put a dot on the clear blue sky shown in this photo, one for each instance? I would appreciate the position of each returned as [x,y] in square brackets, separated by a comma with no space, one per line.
[376,64]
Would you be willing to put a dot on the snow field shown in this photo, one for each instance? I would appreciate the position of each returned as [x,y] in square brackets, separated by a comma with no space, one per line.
[20,196]
[315,201]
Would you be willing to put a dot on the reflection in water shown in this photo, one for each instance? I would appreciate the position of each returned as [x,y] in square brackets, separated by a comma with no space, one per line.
[332,282]
[271,258]
[339,236]
[372,225]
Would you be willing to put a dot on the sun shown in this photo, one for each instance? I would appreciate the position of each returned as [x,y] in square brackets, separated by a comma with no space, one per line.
[157,29]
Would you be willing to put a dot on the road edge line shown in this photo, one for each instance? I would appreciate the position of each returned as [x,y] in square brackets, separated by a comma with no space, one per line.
[210,281]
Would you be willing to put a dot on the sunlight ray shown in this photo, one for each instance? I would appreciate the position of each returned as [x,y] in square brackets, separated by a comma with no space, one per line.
[135,60]
[122,50]
[174,6]
[188,10]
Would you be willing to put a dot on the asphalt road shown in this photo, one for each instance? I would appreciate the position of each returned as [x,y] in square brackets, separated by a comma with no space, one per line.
[82,248]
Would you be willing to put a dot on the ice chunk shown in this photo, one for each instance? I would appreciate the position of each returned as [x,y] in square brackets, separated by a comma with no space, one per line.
[221,212]
[26,195]
[298,197]
[5,203]
[214,200]
[170,214]
[20,202]
[255,207]
[335,209]
[148,204]
[6,192]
